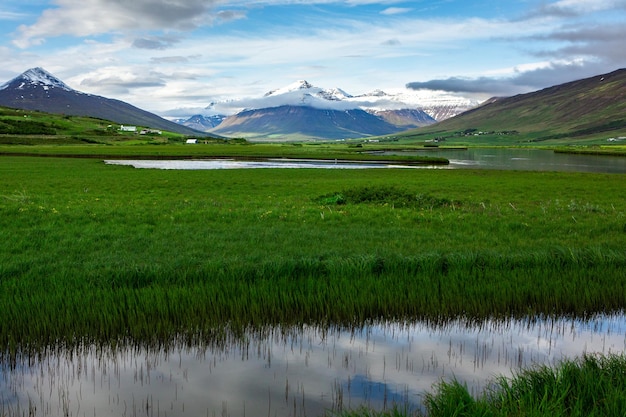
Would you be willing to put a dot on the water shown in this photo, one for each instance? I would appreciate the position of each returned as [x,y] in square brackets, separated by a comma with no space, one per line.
[236,164]
[526,160]
[296,372]
[472,158]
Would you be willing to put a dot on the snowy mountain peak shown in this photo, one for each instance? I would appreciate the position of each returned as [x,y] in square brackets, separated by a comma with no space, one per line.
[377,93]
[438,105]
[298,85]
[304,92]
[36,77]
[334,94]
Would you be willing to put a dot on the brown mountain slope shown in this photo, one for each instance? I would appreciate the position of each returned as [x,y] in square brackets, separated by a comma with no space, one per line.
[576,109]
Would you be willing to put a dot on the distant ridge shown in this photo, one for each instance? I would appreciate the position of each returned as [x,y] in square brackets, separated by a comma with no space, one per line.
[579,108]
[303,123]
[302,111]
[37,89]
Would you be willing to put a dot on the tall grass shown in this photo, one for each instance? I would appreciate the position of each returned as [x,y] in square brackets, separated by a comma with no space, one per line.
[586,387]
[95,253]
[150,304]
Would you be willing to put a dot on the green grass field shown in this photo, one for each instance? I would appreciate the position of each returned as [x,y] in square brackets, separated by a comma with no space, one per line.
[106,253]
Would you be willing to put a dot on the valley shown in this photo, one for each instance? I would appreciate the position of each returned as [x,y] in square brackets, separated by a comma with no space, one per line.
[401,291]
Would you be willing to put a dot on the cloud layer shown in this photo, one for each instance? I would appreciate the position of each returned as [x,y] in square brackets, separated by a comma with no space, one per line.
[165,54]
[94,17]
[573,43]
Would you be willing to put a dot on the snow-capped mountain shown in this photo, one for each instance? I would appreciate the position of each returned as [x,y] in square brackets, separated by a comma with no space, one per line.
[439,105]
[303,123]
[37,89]
[35,77]
[201,122]
[303,88]
[405,118]
[317,109]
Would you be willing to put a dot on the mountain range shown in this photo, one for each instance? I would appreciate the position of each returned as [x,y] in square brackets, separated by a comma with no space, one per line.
[594,107]
[301,111]
[586,108]
[303,123]
[37,89]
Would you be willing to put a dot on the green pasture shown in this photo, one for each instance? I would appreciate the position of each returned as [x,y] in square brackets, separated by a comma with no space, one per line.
[97,253]
[32,129]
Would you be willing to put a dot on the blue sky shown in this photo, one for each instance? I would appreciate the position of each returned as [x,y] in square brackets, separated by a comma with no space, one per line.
[164,55]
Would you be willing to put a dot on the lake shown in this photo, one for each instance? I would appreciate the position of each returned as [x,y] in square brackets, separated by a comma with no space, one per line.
[296,372]
[525,159]
[472,158]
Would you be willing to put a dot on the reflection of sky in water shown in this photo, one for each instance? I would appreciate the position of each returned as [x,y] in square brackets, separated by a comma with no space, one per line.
[297,372]
[235,164]
[494,158]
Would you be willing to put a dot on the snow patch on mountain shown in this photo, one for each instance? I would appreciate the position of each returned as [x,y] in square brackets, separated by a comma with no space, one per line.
[37,77]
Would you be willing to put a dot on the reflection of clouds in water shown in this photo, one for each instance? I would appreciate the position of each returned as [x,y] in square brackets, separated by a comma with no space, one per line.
[297,371]
[367,391]
[235,164]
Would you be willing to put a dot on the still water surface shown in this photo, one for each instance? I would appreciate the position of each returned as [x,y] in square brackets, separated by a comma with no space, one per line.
[297,372]
[472,158]
[529,160]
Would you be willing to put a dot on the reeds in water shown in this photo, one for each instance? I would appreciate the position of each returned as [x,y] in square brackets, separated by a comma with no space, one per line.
[587,387]
[151,304]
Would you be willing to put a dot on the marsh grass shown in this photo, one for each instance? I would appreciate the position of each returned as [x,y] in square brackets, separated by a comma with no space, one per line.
[95,253]
[585,387]
[589,386]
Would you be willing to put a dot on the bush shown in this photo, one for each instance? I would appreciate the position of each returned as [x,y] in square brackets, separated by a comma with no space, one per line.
[384,195]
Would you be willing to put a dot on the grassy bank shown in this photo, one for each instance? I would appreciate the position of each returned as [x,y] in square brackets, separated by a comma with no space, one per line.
[615,150]
[586,387]
[223,149]
[103,253]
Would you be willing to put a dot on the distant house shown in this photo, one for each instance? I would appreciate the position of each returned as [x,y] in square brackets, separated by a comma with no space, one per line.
[150,132]
[128,128]
[192,141]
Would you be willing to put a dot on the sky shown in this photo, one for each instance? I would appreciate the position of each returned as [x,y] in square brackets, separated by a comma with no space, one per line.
[175,57]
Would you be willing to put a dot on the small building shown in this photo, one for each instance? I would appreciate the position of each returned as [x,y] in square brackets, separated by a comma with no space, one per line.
[150,132]
[128,128]
[191,141]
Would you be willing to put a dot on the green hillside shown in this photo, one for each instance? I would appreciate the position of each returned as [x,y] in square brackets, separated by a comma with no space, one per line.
[28,127]
[583,111]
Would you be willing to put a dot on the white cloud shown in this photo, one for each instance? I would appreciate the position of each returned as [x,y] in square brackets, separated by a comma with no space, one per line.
[570,8]
[7,15]
[93,17]
[395,10]
[583,6]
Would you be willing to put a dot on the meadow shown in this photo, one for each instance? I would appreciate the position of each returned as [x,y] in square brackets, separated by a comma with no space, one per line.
[97,253]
